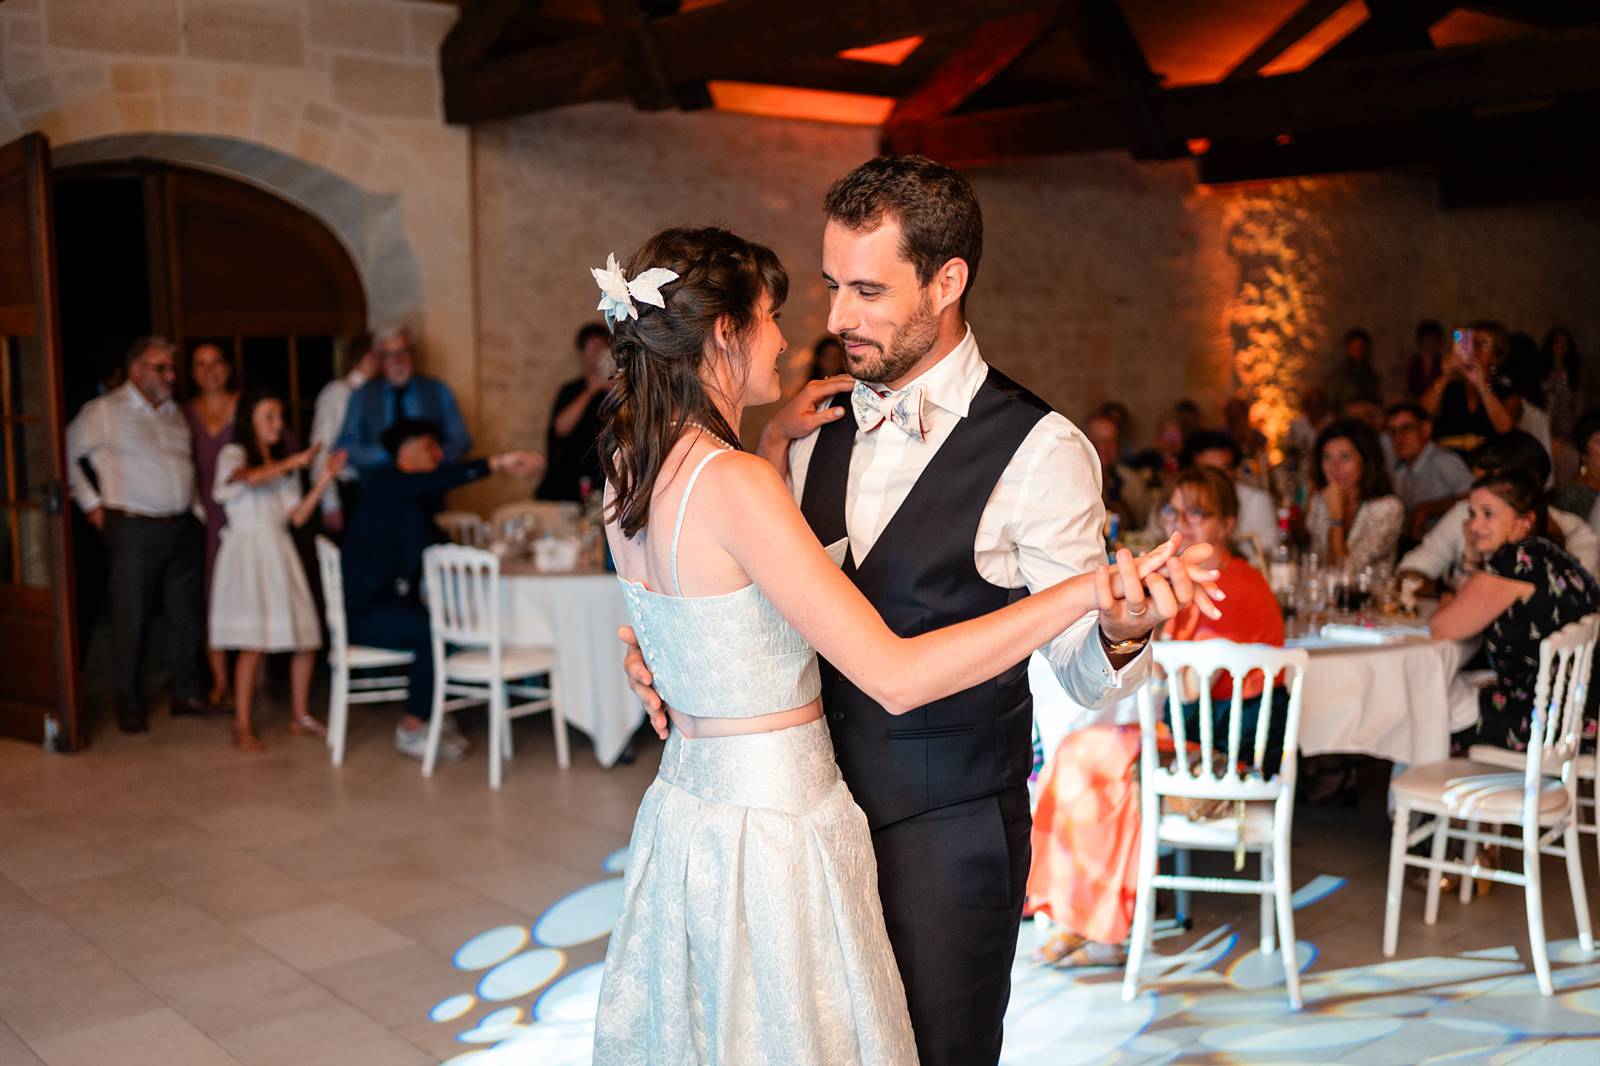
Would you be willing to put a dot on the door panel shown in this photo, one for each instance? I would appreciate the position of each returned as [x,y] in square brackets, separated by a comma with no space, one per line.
[38,649]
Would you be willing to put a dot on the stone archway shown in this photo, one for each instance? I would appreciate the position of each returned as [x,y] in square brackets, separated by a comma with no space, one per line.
[368,224]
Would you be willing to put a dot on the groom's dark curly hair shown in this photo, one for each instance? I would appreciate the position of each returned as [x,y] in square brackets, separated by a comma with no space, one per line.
[935,207]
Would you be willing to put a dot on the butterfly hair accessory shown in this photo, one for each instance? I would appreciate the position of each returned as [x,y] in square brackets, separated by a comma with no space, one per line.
[617,293]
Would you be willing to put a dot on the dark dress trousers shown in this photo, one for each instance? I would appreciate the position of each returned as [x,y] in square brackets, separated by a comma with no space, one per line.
[944,787]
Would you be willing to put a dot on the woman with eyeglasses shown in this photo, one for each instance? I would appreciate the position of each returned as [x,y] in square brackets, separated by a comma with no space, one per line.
[1086,826]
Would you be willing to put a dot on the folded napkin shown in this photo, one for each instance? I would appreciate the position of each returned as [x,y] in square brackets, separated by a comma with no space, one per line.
[1342,633]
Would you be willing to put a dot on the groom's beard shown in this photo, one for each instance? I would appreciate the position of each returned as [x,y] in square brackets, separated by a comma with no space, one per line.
[911,342]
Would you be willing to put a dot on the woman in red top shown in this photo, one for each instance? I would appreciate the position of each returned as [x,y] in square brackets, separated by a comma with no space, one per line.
[1086,826]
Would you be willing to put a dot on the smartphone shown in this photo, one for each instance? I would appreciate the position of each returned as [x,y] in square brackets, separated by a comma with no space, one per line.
[1465,347]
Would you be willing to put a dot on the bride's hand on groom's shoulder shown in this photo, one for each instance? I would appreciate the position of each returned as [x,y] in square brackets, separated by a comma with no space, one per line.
[642,681]
[800,417]
[1134,595]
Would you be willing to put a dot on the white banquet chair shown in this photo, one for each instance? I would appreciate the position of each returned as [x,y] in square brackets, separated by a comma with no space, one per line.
[353,678]
[471,661]
[464,527]
[1269,801]
[1541,798]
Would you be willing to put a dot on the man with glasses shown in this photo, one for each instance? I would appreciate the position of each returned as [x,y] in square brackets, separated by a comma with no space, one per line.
[399,392]
[142,498]
[1427,478]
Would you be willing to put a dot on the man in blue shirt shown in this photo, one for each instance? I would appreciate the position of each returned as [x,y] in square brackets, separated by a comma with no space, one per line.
[397,393]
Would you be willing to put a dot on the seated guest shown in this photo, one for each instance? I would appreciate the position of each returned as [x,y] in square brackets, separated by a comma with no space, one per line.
[400,392]
[1086,827]
[1216,450]
[1443,552]
[1122,488]
[575,421]
[1579,497]
[1354,517]
[392,526]
[1529,587]
[1427,478]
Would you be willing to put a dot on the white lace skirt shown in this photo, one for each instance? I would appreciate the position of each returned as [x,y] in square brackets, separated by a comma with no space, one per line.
[751,932]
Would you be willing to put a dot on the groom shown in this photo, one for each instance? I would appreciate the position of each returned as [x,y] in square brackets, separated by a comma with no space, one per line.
[958,491]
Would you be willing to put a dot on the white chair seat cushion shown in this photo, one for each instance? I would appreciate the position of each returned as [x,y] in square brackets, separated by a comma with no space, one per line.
[1220,834]
[1516,760]
[514,663]
[361,657]
[1469,789]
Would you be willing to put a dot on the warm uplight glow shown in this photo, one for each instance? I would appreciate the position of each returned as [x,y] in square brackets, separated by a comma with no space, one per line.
[889,53]
[1471,27]
[1329,32]
[1199,145]
[778,101]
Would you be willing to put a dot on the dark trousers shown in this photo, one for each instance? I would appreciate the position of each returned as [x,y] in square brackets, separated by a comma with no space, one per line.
[156,564]
[952,882]
[401,627]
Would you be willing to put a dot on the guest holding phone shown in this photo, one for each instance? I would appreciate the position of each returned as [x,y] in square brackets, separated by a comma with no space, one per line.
[1462,401]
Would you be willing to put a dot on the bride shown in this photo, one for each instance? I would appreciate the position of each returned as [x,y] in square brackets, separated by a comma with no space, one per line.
[751,930]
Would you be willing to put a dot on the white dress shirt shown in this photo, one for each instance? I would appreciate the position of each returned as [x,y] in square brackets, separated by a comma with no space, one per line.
[1258,517]
[1042,524]
[141,455]
[1440,553]
[327,419]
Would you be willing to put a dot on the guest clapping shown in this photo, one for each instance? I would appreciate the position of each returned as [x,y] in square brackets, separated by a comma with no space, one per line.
[210,415]
[1355,517]
[260,599]
[575,421]
[1528,588]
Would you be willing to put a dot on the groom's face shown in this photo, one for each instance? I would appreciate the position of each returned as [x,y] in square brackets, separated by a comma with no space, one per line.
[878,309]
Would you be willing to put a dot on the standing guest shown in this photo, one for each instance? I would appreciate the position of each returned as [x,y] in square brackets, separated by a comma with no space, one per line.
[136,441]
[1466,408]
[827,358]
[1529,587]
[400,393]
[394,523]
[1355,517]
[1086,828]
[1427,478]
[1187,414]
[1122,488]
[1427,362]
[1580,496]
[327,419]
[261,602]
[1236,420]
[1562,366]
[575,421]
[210,415]
[1118,412]
[1256,516]
[1354,375]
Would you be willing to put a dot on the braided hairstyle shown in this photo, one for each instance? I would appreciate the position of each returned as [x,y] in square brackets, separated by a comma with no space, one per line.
[660,356]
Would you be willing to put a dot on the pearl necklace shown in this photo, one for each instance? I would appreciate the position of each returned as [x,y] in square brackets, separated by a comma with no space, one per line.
[708,431]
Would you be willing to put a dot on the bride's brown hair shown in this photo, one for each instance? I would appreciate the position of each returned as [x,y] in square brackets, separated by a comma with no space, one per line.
[659,356]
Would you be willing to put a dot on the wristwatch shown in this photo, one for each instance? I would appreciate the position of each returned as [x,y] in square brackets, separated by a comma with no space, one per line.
[1130,646]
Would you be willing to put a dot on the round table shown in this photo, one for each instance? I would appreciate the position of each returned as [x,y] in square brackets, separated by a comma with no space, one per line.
[577,614]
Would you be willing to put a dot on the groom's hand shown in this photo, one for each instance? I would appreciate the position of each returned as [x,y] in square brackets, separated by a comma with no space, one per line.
[1136,595]
[642,681]
[800,418]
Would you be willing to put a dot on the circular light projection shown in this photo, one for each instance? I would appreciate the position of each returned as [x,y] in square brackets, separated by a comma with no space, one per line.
[1270,1038]
[1255,970]
[616,862]
[574,998]
[486,949]
[587,914]
[448,1010]
[520,975]
[494,1027]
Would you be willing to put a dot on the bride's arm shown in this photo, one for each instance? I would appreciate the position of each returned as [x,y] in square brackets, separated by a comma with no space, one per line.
[757,523]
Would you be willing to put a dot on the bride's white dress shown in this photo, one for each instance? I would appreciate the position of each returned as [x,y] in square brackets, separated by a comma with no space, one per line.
[751,931]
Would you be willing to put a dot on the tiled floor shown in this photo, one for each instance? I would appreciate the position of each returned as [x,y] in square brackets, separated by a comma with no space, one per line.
[165,900]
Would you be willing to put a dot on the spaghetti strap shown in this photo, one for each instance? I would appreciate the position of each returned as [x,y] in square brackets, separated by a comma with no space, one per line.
[683,506]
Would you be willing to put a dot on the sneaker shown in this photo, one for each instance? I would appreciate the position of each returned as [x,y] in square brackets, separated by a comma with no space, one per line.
[414,742]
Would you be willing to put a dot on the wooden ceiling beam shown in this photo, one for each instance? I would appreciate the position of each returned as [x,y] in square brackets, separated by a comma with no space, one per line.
[479,28]
[642,70]
[990,49]
[1305,18]
[1118,63]
[1545,14]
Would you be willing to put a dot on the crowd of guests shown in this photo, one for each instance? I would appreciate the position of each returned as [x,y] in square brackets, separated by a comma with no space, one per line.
[1449,486]
[199,505]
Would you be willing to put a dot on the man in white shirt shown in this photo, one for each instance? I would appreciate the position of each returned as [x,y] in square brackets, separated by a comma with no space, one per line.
[137,443]
[327,419]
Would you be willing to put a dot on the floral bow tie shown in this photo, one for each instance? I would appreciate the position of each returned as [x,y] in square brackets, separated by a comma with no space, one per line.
[903,409]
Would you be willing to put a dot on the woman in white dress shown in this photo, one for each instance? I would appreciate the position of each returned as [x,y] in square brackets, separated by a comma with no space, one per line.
[751,932]
[260,600]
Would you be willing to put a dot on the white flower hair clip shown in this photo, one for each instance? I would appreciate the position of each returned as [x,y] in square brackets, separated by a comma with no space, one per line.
[618,293]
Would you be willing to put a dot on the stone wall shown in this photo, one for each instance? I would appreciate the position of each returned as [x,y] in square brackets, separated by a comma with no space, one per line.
[1101,278]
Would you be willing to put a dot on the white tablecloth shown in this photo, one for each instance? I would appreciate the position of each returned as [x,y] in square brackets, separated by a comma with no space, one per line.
[578,615]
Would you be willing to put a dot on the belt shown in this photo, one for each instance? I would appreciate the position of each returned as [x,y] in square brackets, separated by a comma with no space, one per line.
[168,518]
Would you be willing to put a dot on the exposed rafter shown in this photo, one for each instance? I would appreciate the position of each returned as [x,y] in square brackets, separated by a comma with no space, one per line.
[1307,17]
[990,49]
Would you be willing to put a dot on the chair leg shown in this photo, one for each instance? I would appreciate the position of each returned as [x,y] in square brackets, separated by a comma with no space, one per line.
[505,747]
[1397,869]
[1267,938]
[1580,900]
[497,730]
[558,722]
[1180,864]
[1534,892]
[1469,857]
[1283,896]
[1144,909]
[1441,837]
[338,711]
[430,753]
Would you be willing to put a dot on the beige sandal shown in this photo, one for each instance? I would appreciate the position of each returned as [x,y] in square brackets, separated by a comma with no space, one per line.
[307,726]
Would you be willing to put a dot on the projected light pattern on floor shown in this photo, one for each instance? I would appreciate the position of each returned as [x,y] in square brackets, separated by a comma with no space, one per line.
[1218,997]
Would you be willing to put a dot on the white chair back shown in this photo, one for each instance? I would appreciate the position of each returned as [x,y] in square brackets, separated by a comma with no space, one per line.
[464,527]
[1198,663]
[1566,658]
[547,514]
[463,587]
[330,564]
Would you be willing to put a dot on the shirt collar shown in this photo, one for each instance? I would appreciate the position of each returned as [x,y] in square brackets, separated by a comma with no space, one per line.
[136,399]
[1417,463]
[953,381]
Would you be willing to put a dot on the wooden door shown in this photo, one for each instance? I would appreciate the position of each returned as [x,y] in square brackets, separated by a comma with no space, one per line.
[39,693]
